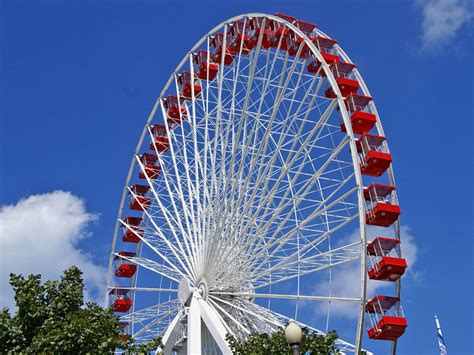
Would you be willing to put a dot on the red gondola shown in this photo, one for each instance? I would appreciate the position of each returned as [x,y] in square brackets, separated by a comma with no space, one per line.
[217,44]
[373,153]
[387,321]
[239,38]
[139,202]
[385,258]
[161,141]
[131,231]
[281,36]
[125,268]
[176,109]
[121,302]
[150,168]
[328,52]
[344,74]
[188,84]
[305,27]
[204,70]
[296,44]
[286,17]
[382,205]
[269,31]
[360,113]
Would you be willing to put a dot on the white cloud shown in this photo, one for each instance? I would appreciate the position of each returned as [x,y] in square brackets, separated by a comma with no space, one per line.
[40,235]
[442,19]
[345,280]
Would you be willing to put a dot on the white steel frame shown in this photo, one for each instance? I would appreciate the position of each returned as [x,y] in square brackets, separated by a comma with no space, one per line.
[231,226]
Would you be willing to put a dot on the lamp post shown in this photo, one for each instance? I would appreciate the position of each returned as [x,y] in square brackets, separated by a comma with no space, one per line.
[293,335]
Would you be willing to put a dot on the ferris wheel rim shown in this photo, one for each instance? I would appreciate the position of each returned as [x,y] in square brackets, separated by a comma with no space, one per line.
[344,113]
[184,61]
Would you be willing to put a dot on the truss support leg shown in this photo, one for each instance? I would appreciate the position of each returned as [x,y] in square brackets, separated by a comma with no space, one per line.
[215,326]
[194,326]
[170,336]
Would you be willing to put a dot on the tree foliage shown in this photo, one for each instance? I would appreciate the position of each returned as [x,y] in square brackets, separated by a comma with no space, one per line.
[53,318]
[264,344]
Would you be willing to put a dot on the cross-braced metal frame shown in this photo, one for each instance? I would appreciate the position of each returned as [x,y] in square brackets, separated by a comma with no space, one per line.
[257,183]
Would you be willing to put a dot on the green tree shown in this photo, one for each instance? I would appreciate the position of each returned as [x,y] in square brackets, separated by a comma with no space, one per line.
[275,344]
[53,318]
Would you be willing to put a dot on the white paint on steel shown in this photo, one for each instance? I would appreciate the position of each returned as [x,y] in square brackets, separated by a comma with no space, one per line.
[194,327]
[187,206]
[214,324]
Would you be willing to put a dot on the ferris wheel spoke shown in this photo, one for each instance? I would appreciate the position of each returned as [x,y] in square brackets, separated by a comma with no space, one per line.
[158,231]
[232,112]
[315,242]
[214,187]
[202,161]
[295,90]
[235,76]
[196,154]
[267,200]
[146,289]
[263,146]
[271,318]
[299,195]
[259,115]
[153,266]
[268,171]
[244,323]
[245,102]
[205,160]
[322,208]
[300,267]
[309,244]
[257,234]
[345,252]
[190,256]
[192,196]
[261,314]
[229,128]
[228,315]
[151,312]
[171,222]
[241,122]
[289,268]
[179,185]
[172,265]
[255,215]
[303,268]
[306,188]
[162,321]
[220,84]
[289,261]
[287,296]
[308,95]
[328,198]
[244,115]
[281,240]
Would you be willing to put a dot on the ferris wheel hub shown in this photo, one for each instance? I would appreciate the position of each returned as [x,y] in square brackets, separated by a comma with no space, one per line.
[203,288]
[185,291]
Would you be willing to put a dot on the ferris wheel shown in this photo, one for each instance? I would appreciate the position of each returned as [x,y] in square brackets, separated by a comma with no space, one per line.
[263,152]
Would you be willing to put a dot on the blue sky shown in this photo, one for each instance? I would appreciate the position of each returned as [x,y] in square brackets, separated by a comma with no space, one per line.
[78,80]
